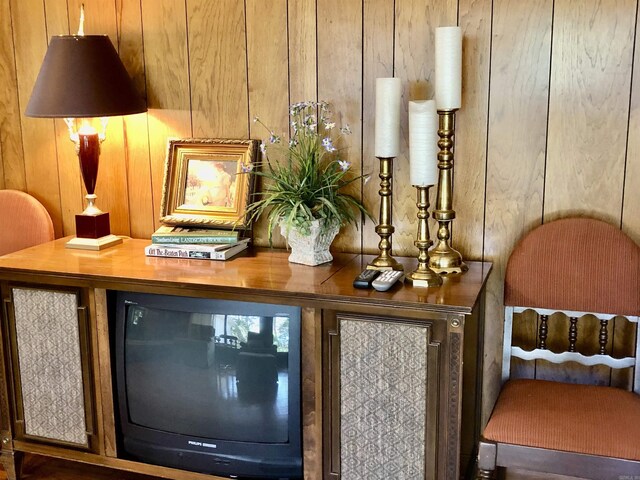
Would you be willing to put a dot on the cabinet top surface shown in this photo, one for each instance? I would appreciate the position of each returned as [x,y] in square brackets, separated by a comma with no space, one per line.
[263,271]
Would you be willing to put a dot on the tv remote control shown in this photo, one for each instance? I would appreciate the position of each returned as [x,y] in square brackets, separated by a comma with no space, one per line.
[387,279]
[364,279]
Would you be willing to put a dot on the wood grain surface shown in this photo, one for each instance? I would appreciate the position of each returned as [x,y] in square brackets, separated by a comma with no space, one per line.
[168,87]
[340,84]
[631,203]
[516,149]
[377,62]
[548,127]
[11,154]
[268,77]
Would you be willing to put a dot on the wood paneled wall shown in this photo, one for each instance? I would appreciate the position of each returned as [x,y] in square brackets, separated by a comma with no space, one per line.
[549,125]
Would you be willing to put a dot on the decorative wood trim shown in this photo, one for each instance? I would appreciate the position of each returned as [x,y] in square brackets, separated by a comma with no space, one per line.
[454,404]
[571,313]
[432,426]
[311,371]
[5,372]
[540,354]
[331,409]
[103,380]
[84,333]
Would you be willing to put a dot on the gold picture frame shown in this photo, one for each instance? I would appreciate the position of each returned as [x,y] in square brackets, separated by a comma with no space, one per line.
[208,182]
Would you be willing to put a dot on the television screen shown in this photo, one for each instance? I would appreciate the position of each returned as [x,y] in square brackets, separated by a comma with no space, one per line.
[211,377]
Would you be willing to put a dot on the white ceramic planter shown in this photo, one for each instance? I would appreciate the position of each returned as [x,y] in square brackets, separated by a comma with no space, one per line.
[312,249]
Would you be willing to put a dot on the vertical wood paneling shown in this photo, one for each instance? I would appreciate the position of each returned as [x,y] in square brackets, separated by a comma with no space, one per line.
[12,173]
[218,66]
[301,27]
[69,177]
[40,163]
[303,75]
[111,187]
[340,83]
[588,114]
[471,128]
[379,20]
[631,197]
[414,63]
[588,108]
[135,127]
[167,84]
[518,96]
[268,76]
[2,184]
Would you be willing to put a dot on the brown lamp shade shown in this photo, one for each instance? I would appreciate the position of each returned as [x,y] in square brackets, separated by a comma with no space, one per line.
[82,76]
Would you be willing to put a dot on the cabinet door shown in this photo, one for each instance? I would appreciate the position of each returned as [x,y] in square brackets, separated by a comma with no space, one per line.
[50,359]
[382,399]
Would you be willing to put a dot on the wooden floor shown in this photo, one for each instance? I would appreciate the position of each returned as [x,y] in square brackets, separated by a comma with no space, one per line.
[44,468]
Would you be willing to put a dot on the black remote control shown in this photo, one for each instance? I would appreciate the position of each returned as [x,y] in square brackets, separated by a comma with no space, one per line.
[364,279]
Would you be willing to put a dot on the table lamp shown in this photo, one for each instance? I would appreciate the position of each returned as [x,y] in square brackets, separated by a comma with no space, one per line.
[82,77]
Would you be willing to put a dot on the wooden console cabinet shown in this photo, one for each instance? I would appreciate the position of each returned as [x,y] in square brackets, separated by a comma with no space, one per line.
[390,380]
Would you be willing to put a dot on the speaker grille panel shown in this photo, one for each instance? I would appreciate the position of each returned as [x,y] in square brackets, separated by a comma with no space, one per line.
[47,335]
[383,408]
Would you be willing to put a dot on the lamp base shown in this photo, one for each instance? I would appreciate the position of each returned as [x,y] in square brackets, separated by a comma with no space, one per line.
[93,233]
[92,226]
[95,244]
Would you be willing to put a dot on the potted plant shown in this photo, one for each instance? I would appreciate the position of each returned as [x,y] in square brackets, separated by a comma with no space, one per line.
[305,181]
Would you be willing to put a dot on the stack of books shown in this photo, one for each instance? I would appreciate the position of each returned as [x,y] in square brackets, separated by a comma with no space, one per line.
[209,244]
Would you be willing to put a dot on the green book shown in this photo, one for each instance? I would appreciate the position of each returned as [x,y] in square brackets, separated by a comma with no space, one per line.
[183,236]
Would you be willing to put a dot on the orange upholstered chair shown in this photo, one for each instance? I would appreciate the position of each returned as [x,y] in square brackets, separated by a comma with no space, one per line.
[582,268]
[24,221]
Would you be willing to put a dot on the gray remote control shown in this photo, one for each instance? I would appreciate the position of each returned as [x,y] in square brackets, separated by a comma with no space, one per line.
[387,279]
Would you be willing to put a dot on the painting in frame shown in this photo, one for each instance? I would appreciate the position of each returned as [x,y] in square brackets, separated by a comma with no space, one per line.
[208,182]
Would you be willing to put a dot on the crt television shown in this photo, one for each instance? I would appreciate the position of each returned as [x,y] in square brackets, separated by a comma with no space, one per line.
[211,386]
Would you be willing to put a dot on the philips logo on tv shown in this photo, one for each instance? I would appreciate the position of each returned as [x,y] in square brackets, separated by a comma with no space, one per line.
[202,444]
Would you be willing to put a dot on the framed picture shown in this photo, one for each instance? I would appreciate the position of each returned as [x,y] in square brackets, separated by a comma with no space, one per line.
[207,182]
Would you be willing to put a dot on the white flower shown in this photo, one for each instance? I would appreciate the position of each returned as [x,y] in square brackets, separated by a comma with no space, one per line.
[329,125]
[263,148]
[273,138]
[328,145]
[344,165]
[247,167]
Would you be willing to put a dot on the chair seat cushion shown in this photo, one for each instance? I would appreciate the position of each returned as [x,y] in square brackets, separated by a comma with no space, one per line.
[576,418]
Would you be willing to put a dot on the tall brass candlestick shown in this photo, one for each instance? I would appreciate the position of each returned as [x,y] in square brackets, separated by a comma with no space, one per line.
[385,229]
[423,276]
[444,259]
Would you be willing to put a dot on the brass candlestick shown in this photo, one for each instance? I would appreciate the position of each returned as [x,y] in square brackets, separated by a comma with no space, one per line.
[443,259]
[423,276]
[385,229]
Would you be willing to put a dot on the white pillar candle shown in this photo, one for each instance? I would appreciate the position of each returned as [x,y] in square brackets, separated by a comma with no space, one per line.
[423,143]
[448,68]
[388,93]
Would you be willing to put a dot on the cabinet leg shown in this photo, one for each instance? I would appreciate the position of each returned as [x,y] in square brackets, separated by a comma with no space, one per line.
[12,464]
